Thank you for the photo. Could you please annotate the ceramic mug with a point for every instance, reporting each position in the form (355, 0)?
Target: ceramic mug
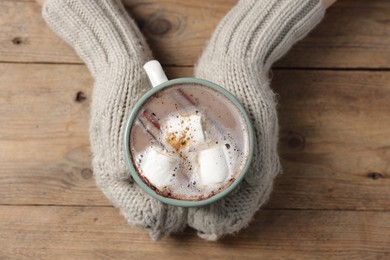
(160, 82)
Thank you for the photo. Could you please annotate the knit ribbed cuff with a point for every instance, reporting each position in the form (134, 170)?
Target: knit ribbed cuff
(262, 31)
(100, 31)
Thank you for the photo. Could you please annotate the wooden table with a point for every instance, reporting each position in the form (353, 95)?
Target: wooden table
(333, 200)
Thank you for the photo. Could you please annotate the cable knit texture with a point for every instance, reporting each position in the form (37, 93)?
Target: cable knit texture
(112, 47)
(238, 57)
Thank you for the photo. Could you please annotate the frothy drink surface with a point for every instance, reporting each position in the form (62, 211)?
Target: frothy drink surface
(189, 142)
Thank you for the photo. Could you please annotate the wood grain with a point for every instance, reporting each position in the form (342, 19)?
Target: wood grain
(354, 34)
(334, 137)
(335, 133)
(101, 233)
(44, 146)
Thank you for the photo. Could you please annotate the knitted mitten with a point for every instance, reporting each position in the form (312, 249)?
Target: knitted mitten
(247, 41)
(112, 47)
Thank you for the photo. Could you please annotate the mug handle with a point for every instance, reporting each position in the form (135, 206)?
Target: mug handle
(155, 73)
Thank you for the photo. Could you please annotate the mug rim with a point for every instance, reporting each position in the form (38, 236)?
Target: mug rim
(133, 115)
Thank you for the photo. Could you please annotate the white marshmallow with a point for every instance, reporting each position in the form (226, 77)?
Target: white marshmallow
(214, 166)
(159, 166)
(178, 124)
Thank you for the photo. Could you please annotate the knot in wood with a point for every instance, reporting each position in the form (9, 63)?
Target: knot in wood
(86, 173)
(296, 141)
(159, 26)
(80, 96)
(17, 40)
(375, 175)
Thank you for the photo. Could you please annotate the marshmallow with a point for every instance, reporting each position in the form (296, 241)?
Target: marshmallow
(159, 166)
(188, 128)
(214, 166)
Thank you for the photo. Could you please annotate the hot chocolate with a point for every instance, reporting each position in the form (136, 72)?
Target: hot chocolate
(189, 142)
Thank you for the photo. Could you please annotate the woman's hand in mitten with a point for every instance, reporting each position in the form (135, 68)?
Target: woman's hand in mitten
(238, 57)
(112, 47)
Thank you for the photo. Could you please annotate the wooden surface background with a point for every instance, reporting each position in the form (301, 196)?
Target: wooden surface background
(332, 202)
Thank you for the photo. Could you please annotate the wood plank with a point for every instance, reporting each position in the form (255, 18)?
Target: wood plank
(335, 137)
(44, 146)
(354, 34)
(25, 37)
(101, 233)
(335, 132)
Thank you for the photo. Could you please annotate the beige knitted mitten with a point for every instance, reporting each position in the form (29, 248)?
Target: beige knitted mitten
(247, 41)
(112, 47)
